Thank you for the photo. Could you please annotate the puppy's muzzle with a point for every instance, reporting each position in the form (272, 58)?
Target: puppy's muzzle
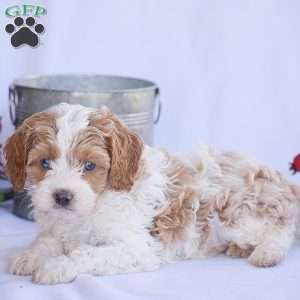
(63, 197)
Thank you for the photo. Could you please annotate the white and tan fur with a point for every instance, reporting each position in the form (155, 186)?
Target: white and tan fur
(140, 207)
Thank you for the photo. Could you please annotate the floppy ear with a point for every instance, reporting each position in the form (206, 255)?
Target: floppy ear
(124, 147)
(16, 156)
(20, 143)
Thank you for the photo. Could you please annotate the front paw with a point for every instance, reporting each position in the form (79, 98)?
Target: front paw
(23, 264)
(55, 270)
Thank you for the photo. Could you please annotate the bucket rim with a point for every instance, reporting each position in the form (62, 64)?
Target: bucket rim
(20, 82)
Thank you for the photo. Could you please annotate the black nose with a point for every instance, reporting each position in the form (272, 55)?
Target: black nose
(63, 197)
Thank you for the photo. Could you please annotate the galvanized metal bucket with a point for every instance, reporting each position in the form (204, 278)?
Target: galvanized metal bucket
(134, 100)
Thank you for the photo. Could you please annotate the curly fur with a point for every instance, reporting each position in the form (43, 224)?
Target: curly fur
(141, 207)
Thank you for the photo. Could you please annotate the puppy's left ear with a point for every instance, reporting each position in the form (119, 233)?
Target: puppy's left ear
(124, 147)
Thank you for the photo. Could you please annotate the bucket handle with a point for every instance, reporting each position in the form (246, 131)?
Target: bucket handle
(13, 102)
(157, 96)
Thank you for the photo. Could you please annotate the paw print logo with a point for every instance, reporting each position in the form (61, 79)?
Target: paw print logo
(24, 33)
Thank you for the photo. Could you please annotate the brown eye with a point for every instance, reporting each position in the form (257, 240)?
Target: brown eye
(89, 166)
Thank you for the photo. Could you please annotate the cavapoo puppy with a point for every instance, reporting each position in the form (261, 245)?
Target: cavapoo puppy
(108, 204)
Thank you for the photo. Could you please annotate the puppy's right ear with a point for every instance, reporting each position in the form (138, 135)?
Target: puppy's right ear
(16, 156)
(16, 150)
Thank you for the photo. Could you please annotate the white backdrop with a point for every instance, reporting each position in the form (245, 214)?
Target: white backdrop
(229, 71)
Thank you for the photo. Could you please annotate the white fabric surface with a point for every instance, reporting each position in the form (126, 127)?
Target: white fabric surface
(215, 278)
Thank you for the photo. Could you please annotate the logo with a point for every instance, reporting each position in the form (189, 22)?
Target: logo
(24, 29)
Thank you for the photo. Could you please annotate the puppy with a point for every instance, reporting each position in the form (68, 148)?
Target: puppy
(106, 203)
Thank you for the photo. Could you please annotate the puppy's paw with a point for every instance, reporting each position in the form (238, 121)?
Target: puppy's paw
(235, 251)
(22, 264)
(265, 256)
(55, 270)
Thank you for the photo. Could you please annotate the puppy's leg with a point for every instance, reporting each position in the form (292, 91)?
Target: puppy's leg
(105, 260)
(264, 240)
(30, 259)
(237, 251)
(115, 259)
(274, 246)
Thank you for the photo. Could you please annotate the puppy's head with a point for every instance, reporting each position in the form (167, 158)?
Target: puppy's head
(66, 157)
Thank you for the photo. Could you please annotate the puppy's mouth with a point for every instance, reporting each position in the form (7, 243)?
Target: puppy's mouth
(59, 207)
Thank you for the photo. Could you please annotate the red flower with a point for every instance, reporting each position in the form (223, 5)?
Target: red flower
(295, 165)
